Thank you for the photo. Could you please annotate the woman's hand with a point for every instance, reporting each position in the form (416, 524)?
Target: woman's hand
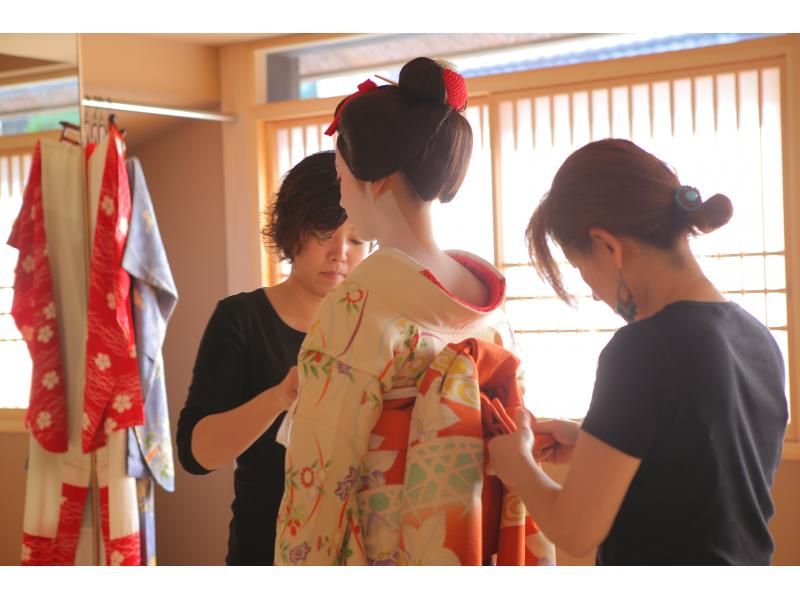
(510, 455)
(565, 433)
(221, 437)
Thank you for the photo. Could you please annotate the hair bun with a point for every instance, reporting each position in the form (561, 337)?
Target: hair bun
(423, 79)
(713, 213)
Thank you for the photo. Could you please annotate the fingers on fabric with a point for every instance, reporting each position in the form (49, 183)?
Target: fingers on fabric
(522, 418)
(546, 427)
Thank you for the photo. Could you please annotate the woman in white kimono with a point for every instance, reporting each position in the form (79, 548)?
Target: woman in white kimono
(398, 148)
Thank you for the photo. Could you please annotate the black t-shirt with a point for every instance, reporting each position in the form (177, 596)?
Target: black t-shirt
(246, 349)
(697, 393)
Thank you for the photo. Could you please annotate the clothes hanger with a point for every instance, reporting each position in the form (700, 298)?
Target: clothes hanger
(95, 129)
(112, 122)
(68, 126)
(101, 126)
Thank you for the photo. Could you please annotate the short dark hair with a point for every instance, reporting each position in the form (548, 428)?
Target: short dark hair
(615, 185)
(408, 128)
(307, 202)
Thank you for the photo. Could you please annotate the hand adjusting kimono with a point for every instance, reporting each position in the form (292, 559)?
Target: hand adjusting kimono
(377, 334)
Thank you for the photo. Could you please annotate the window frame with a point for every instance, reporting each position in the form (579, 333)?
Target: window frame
(782, 51)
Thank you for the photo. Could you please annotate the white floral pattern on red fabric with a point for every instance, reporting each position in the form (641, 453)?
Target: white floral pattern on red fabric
(44, 420)
(112, 369)
(36, 550)
(108, 206)
(102, 362)
(50, 379)
(45, 334)
(33, 310)
(50, 311)
(122, 403)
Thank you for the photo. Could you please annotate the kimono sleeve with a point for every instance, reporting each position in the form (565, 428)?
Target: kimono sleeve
(338, 405)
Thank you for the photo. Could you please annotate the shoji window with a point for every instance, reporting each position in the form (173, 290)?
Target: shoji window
(15, 363)
(292, 142)
(721, 132)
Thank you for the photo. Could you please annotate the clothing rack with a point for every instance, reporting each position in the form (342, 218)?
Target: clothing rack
(108, 104)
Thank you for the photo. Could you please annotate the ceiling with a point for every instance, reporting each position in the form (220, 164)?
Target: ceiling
(9, 62)
(387, 49)
(211, 39)
(49, 47)
(61, 49)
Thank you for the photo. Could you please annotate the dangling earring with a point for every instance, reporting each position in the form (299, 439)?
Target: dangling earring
(626, 306)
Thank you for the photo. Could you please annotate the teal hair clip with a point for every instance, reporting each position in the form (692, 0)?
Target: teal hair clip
(688, 198)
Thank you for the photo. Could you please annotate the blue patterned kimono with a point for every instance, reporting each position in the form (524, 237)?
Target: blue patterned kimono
(154, 299)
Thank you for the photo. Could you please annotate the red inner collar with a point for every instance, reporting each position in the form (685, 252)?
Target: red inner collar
(496, 286)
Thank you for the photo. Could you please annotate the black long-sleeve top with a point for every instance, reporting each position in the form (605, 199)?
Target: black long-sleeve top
(246, 348)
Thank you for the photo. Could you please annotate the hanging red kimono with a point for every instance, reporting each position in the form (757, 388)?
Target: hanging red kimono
(56, 526)
(34, 311)
(113, 396)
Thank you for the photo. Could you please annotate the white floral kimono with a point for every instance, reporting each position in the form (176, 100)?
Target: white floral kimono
(377, 333)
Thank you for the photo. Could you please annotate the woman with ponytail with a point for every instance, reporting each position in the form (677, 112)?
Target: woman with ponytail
(674, 461)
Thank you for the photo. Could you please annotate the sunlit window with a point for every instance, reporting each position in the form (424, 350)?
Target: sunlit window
(720, 131)
(15, 362)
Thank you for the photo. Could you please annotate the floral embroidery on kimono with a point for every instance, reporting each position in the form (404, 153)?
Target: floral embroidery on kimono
(154, 301)
(376, 335)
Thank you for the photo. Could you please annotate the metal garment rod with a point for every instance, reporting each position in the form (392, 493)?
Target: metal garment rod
(159, 110)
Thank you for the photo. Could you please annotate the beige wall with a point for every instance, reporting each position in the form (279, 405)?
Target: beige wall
(183, 168)
(13, 452)
(785, 526)
(143, 70)
(241, 155)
